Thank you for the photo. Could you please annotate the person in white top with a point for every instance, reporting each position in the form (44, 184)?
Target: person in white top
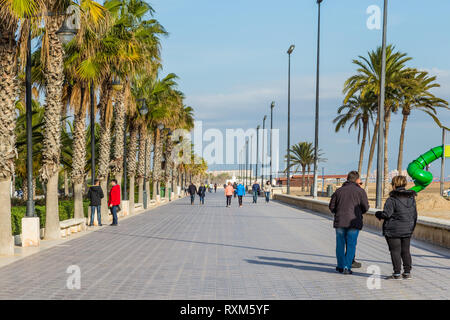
(267, 191)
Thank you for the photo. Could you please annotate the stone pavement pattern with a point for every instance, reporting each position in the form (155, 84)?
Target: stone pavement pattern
(259, 251)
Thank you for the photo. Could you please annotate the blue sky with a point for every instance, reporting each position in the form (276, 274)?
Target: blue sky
(232, 62)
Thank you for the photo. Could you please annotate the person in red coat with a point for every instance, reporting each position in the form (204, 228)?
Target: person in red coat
(114, 200)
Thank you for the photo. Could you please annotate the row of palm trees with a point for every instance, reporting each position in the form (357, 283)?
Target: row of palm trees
(407, 89)
(115, 61)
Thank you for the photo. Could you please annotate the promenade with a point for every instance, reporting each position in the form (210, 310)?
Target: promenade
(179, 251)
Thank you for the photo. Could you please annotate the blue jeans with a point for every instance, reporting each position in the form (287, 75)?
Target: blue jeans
(114, 214)
(202, 199)
(346, 239)
(192, 198)
(99, 214)
(255, 196)
(267, 196)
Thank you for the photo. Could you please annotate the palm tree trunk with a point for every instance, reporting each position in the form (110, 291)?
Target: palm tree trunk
(400, 146)
(371, 153)
(131, 164)
(54, 76)
(363, 145)
(66, 183)
(105, 144)
(8, 86)
(119, 127)
(141, 163)
(386, 163)
(79, 157)
(157, 157)
(303, 177)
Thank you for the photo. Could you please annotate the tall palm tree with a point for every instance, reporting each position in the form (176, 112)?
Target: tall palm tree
(368, 79)
(357, 114)
(11, 12)
(418, 97)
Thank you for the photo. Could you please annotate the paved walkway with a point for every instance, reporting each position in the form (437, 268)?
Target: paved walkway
(211, 252)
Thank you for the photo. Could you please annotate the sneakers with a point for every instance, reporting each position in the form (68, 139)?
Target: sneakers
(395, 277)
(356, 264)
(346, 271)
(340, 270)
(406, 276)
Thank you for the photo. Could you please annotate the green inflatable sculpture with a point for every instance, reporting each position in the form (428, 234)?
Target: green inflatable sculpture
(422, 178)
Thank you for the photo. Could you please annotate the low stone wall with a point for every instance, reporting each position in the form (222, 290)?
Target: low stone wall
(436, 231)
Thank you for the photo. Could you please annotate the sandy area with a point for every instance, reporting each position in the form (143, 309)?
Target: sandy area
(429, 202)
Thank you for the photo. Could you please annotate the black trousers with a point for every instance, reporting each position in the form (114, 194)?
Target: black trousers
(240, 200)
(399, 248)
(229, 200)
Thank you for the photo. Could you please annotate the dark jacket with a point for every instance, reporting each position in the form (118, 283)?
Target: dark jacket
(399, 213)
(95, 196)
(201, 191)
(348, 204)
(255, 187)
(192, 189)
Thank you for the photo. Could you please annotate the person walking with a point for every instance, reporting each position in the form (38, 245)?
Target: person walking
(202, 193)
(255, 190)
(267, 190)
(95, 196)
(400, 218)
(192, 189)
(229, 190)
(215, 187)
(235, 188)
(348, 204)
(114, 200)
(240, 191)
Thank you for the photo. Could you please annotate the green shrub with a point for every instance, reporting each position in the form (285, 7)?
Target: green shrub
(66, 211)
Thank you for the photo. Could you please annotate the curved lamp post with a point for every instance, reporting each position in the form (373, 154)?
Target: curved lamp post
(271, 138)
(263, 155)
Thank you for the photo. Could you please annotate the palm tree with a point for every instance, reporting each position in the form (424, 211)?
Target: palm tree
(359, 113)
(417, 96)
(368, 79)
(11, 13)
(302, 155)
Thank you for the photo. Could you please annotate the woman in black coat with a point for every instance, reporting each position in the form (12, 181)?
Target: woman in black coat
(400, 218)
(202, 193)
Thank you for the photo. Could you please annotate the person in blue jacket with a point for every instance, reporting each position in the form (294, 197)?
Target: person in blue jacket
(240, 191)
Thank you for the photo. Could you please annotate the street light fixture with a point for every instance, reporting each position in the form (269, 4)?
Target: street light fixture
(316, 131)
(257, 152)
(65, 35)
(263, 155)
(288, 182)
(271, 137)
(380, 150)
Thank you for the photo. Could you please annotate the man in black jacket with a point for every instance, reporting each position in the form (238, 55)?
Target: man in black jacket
(348, 204)
(95, 196)
(192, 191)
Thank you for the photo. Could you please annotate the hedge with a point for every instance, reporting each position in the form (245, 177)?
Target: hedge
(66, 211)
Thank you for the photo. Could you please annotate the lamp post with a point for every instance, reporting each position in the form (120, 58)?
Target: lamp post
(65, 35)
(250, 162)
(92, 134)
(263, 155)
(124, 193)
(380, 150)
(441, 188)
(316, 131)
(271, 138)
(257, 151)
(143, 111)
(288, 182)
(246, 163)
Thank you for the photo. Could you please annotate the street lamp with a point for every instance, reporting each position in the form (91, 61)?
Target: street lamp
(263, 155)
(271, 138)
(380, 150)
(65, 35)
(316, 131)
(257, 151)
(288, 183)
